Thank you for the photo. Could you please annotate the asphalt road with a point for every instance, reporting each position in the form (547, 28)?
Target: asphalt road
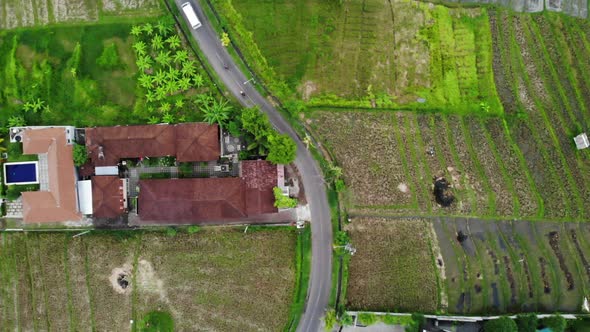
(235, 81)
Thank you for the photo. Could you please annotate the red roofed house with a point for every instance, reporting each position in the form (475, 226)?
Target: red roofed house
(59, 203)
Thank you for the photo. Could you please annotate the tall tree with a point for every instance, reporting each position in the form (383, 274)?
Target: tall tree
(281, 149)
(216, 112)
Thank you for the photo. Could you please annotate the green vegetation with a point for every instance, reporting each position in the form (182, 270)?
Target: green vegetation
(367, 318)
(264, 140)
(193, 229)
(167, 282)
(303, 268)
(527, 322)
(80, 154)
(109, 59)
(282, 201)
(555, 323)
(157, 321)
(502, 324)
(369, 54)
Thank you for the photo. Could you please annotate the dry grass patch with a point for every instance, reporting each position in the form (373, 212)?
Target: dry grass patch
(393, 267)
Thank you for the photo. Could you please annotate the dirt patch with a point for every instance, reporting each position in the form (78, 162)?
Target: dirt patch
(120, 279)
(510, 277)
(554, 242)
(403, 188)
(307, 89)
(544, 277)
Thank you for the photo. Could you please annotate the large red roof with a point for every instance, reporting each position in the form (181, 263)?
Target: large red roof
(188, 142)
(107, 196)
(210, 199)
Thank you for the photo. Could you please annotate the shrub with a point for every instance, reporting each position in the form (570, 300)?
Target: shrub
(109, 58)
(171, 231)
(367, 318)
(339, 185)
(346, 319)
(526, 322)
(502, 324)
(396, 320)
(80, 155)
(281, 149)
(342, 238)
(193, 229)
(283, 202)
(330, 319)
(555, 323)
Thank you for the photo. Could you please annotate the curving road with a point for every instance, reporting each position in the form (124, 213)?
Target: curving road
(321, 227)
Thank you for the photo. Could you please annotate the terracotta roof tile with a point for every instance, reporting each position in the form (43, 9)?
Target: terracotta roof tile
(107, 196)
(59, 204)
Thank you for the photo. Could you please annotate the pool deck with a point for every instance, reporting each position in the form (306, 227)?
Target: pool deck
(14, 209)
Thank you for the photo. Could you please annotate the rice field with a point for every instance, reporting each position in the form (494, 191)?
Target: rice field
(218, 279)
(373, 53)
(27, 13)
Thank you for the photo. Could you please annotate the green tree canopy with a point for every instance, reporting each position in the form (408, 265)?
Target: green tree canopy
(502, 324)
(527, 322)
(281, 201)
(281, 149)
(217, 112)
(80, 155)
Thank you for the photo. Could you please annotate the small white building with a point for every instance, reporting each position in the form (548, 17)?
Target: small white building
(582, 141)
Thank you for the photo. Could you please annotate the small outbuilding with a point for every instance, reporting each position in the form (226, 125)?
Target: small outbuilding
(582, 141)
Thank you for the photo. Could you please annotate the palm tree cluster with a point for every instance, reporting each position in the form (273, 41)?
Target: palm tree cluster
(165, 69)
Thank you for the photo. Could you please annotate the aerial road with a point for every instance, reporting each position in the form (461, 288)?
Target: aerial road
(240, 85)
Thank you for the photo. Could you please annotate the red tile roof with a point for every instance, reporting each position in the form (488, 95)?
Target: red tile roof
(210, 199)
(107, 196)
(188, 142)
(197, 142)
(191, 199)
(59, 204)
(259, 177)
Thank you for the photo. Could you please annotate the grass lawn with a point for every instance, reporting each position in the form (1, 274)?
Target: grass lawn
(218, 279)
(392, 269)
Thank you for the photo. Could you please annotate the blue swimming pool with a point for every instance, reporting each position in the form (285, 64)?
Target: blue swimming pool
(21, 173)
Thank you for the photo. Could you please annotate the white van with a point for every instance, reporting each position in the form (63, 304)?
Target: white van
(191, 15)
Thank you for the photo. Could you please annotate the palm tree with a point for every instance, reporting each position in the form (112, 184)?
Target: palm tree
(153, 120)
(163, 58)
(150, 96)
(38, 105)
(203, 99)
(180, 56)
(172, 74)
(168, 118)
(16, 121)
(161, 92)
(139, 47)
(184, 83)
(148, 28)
(172, 86)
(173, 41)
(143, 62)
(136, 30)
(159, 77)
(157, 42)
(145, 81)
(216, 112)
(165, 107)
(179, 103)
(199, 82)
(163, 28)
(188, 68)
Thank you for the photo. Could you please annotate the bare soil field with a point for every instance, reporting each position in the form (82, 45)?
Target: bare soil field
(217, 279)
(26, 13)
(393, 268)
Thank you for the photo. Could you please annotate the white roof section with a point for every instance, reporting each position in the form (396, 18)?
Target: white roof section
(106, 170)
(581, 141)
(85, 196)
